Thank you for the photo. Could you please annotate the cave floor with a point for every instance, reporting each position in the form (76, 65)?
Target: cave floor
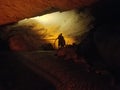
(42, 70)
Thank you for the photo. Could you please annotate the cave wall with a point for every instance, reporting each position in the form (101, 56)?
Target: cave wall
(107, 31)
(101, 47)
(13, 11)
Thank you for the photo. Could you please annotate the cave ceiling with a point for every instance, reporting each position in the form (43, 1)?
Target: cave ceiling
(14, 10)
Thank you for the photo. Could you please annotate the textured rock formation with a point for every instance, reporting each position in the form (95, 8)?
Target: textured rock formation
(101, 47)
(12, 11)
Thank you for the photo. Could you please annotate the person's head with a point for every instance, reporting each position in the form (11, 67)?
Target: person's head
(60, 34)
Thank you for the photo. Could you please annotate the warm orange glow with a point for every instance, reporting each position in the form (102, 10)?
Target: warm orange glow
(69, 23)
(54, 42)
(17, 44)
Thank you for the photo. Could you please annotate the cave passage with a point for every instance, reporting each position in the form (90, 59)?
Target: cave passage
(41, 31)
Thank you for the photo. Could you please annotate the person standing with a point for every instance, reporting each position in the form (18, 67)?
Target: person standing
(61, 41)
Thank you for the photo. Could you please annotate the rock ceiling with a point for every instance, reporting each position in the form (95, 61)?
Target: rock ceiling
(15, 10)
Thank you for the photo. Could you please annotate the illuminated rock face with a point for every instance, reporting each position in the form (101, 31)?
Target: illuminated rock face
(13, 11)
(17, 44)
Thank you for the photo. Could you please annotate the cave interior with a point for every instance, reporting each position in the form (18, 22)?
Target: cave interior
(97, 40)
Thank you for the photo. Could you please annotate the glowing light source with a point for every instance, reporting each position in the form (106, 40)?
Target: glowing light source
(70, 23)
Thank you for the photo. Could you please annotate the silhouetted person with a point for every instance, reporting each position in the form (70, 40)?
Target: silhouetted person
(61, 41)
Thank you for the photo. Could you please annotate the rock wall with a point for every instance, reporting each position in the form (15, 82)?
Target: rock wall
(13, 11)
(101, 47)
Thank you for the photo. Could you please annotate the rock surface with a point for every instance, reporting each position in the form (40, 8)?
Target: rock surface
(13, 11)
